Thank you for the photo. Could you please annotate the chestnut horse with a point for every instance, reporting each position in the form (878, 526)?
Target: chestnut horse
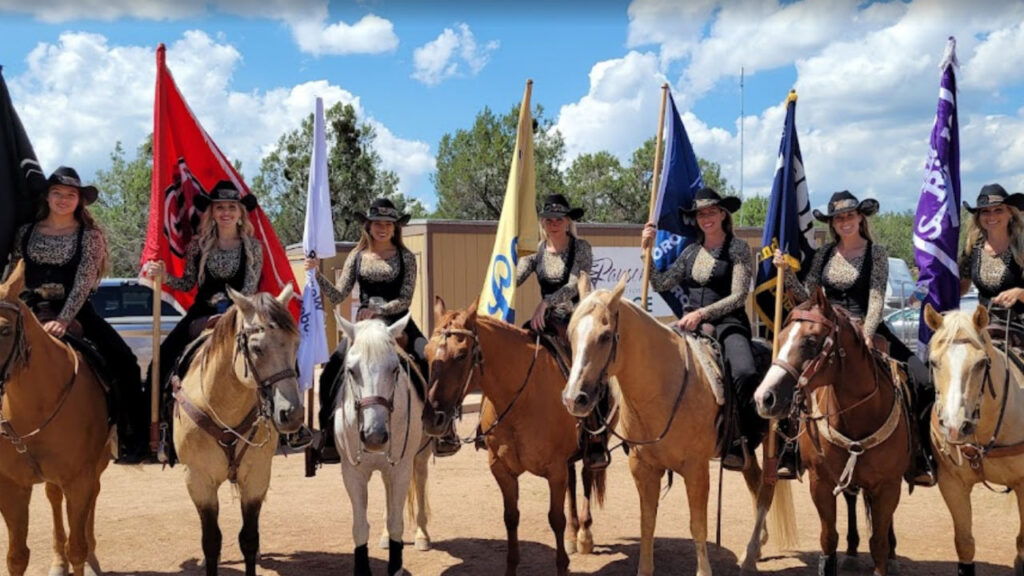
(855, 426)
(977, 423)
(53, 429)
(667, 411)
(524, 428)
(239, 392)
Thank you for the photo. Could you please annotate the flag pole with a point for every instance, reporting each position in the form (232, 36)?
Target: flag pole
(654, 192)
(154, 369)
(771, 447)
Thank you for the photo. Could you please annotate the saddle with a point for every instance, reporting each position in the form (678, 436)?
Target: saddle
(74, 337)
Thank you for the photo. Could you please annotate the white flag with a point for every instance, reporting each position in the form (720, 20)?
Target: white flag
(317, 242)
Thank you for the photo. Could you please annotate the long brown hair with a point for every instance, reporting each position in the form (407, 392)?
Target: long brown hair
(86, 220)
(208, 235)
(365, 241)
(727, 226)
(975, 233)
(864, 229)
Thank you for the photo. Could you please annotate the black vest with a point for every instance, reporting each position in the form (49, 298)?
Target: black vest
(387, 290)
(717, 286)
(548, 286)
(855, 298)
(1011, 277)
(212, 285)
(38, 273)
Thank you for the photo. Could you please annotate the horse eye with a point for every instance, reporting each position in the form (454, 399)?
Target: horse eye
(5, 331)
(460, 356)
(605, 338)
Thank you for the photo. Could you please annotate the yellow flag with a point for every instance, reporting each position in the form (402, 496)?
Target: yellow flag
(517, 229)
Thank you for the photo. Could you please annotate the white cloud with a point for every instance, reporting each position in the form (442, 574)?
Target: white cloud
(80, 96)
(308, 19)
(998, 60)
(439, 59)
(675, 26)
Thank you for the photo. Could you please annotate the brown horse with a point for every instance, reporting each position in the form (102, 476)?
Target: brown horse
(855, 428)
(53, 429)
(524, 427)
(668, 409)
(239, 392)
(977, 423)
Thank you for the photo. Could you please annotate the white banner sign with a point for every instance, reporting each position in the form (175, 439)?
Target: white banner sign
(611, 261)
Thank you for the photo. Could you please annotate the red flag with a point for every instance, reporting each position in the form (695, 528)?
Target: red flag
(186, 161)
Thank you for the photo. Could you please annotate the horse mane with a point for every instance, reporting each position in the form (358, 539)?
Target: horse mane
(495, 323)
(373, 341)
(266, 306)
(957, 324)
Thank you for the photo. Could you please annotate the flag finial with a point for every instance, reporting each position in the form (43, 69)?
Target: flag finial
(792, 96)
(949, 56)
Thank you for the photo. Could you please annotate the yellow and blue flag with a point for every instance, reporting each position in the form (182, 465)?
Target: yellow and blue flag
(517, 229)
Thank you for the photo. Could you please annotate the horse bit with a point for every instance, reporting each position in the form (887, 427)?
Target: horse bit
(389, 405)
(265, 385)
(477, 360)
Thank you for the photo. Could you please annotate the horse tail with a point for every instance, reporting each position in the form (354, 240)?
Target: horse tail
(419, 468)
(782, 517)
(598, 483)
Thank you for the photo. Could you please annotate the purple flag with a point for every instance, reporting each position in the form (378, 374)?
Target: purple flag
(937, 222)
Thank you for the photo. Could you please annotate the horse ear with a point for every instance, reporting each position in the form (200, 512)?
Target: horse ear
(15, 281)
(398, 327)
(439, 309)
(819, 299)
(471, 313)
(286, 295)
(242, 302)
(620, 287)
(583, 285)
(932, 318)
(980, 318)
(347, 327)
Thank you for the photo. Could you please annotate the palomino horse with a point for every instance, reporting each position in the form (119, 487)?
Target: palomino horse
(977, 423)
(523, 426)
(377, 428)
(855, 425)
(668, 409)
(53, 429)
(238, 393)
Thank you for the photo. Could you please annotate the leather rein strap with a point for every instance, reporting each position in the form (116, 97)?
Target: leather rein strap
(227, 438)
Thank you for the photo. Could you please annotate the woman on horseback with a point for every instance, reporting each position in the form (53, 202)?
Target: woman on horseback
(854, 271)
(223, 253)
(993, 255)
(715, 274)
(386, 273)
(65, 254)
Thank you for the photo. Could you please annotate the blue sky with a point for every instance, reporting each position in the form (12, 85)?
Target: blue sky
(81, 74)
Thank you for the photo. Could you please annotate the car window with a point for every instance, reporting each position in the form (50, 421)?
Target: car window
(127, 300)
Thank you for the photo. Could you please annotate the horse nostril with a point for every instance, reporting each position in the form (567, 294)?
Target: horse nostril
(967, 428)
(581, 399)
(440, 419)
(768, 400)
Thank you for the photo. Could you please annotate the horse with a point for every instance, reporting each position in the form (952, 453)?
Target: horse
(977, 424)
(238, 393)
(54, 430)
(658, 376)
(377, 427)
(522, 425)
(856, 429)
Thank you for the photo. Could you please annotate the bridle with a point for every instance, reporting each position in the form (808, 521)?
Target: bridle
(265, 386)
(388, 403)
(476, 361)
(20, 351)
(827, 355)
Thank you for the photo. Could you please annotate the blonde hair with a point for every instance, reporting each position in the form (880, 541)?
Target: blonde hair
(864, 229)
(570, 230)
(975, 233)
(208, 235)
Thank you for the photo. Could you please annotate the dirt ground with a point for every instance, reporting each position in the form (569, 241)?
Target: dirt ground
(147, 526)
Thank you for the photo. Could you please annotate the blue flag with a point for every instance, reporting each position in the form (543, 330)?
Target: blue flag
(937, 221)
(680, 181)
(788, 224)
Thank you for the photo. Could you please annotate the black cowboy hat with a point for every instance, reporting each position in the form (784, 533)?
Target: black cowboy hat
(704, 198)
(224, 191)
(383, 210)
(557, 206)
(994, 195)
(65, 176)
(844, 201)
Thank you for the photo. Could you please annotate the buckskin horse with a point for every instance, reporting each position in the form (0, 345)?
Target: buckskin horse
(977, 423)
(523, 426)
(854, 422)
(667, 411)
(53, 429)
(378, 428)
(237, 394)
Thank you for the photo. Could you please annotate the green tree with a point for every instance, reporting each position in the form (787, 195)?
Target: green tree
(754, 211)
(122, 208)
(473, 164)
(893, 230)
(353, 167)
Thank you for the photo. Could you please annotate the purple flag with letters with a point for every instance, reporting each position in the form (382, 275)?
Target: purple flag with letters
(937, 222)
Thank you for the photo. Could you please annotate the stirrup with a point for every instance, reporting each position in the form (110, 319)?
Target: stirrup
(446, 446)
(597, 460)
(737, 462)
(300, 439)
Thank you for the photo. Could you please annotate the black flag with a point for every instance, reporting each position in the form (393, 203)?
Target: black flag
(21, 179)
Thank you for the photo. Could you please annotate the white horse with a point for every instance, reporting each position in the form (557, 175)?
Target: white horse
(378, 427)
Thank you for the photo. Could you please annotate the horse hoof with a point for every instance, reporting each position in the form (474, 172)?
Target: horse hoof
(585, 545)
(383, 544)
(570, 546)
(58, 570)
(748, 567)
(422, 544)
(1018, 566)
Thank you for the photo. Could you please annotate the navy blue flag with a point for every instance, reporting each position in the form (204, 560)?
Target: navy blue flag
(21, 179)
(788, 224)
(680, 181)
